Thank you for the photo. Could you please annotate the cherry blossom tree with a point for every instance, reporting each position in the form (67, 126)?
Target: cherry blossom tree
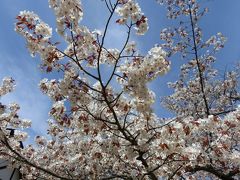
(100, 131)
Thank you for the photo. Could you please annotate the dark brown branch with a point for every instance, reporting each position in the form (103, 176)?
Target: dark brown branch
(144, 162)
(124, 46)
(102, 43)
(175, 172)
(78, 64)
(201, 80)
(108, 6)
(214, 171)
(24, 160)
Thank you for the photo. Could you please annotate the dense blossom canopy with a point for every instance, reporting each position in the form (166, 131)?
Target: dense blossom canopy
(100, 131)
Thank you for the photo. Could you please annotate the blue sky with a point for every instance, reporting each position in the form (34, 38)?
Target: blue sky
(16, 62)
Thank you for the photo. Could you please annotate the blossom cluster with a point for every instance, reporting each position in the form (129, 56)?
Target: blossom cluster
(38, 34)
(87, 149)
(139, 72)
(84, 46)
(9, 118)
(68, 14)
(199, 89)
(7, 86)
(130, 10)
